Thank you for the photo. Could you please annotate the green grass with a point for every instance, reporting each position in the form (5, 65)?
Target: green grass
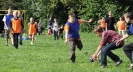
(48, 55)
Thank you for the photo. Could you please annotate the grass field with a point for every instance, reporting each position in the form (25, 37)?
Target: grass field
(48, 55)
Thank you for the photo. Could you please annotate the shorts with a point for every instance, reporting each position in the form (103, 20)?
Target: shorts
(8, 33)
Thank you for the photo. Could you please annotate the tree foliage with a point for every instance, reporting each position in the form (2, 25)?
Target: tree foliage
(84, 9)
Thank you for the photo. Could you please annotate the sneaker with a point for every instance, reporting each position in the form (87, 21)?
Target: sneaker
(118, 63)
(103, 66)
(31, 43)
(131, 67)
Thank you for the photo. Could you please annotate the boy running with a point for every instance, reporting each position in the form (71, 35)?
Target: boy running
(72, 36)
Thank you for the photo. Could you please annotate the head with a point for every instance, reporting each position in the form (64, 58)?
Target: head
(98, 30)
(128, 17)
(55, 19)
(120, 18)
(50, 18)
(110, 14)
(31, 19)
(15, 13)
(40, 20)
(71, 18)
(61, 27)
(9, 11)
(19, 13)
(103, 18)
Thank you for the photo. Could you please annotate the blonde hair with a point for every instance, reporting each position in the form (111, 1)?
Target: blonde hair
(15, 12)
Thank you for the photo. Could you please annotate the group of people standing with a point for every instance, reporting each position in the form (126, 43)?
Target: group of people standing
(53, 27)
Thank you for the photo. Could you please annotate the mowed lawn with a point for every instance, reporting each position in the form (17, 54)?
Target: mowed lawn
(48, 55)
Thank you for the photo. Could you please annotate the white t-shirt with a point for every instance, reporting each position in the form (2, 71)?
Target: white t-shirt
(55, 26)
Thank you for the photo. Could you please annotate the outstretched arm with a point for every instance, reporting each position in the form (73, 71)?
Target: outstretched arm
(87, 21)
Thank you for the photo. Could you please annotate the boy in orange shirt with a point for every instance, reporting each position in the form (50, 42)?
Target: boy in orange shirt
(16, 28)
(32, 29)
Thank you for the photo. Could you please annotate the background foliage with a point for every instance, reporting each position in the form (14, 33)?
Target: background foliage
(84, 9)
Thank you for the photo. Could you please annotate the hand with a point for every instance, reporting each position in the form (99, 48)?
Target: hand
(7, 28)
(118, 42)
(66, 41)
(90, 20)
(95, 57)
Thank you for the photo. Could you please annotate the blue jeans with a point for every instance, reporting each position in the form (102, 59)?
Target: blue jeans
(20, 38)
(106, 51)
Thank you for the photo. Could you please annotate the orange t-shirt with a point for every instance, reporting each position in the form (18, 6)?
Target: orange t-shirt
(103, 23)
(32, 28)
(16, 25)
(121, 25)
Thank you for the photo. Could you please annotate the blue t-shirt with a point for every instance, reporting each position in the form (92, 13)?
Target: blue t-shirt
(7, 19)
(73, 30)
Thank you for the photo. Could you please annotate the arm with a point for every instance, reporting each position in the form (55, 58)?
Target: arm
(106, 26)
(66, 36)
(86, 20)
(4, 20)
(97, 53)
(10, 26)
(124, 37)
(66, 33)
(22, 25)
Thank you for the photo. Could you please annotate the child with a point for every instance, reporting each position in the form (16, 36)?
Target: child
(102, 22)
(72, 36)
(50, 31)
(40, 27)
(21, 34)
(6, 19)
(32, 29)
(16, 28)
(107, 43)
(121, 26)
(55, 29)
(60, 33)
(128, 49)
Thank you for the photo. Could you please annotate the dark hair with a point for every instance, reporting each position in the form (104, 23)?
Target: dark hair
(98, 29)
(129, 15)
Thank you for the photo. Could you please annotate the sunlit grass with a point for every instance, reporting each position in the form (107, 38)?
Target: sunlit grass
(48, 55)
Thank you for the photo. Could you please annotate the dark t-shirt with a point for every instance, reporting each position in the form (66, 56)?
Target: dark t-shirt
(61, 30)
(110, 23)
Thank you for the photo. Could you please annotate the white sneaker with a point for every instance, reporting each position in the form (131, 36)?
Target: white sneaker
(31, 43)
